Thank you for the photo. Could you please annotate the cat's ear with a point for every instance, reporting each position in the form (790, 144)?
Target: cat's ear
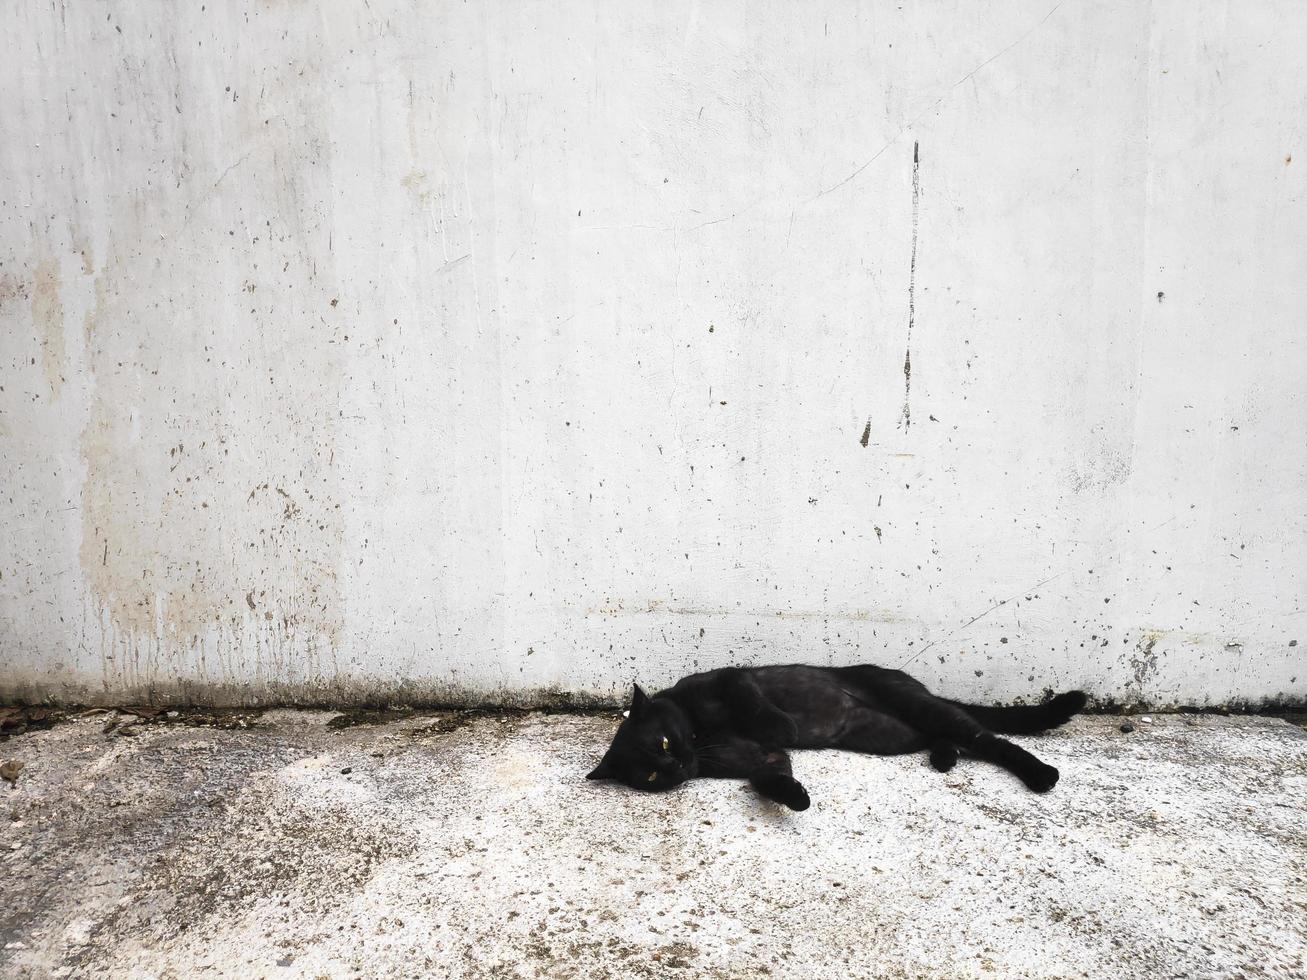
(638, 700)
(602, 771)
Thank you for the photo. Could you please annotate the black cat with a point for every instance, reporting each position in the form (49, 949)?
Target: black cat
(737, 722)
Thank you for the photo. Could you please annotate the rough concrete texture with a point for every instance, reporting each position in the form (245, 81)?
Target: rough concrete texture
(446, 846)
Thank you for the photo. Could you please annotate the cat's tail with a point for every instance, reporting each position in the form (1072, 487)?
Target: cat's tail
(1027, 719)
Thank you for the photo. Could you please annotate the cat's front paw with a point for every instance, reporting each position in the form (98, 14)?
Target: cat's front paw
(1040, 778)
(783, 789)
(944, 756)
(796, 797)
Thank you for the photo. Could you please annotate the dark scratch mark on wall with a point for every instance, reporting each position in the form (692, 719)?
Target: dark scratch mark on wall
(906, 418)
(866, 434)
(982, 615)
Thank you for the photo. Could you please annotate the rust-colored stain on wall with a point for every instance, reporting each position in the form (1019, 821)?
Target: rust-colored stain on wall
(211, 519)
(48, 318)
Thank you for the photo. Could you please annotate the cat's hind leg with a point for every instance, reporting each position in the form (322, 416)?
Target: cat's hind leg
(937, 719)
(878, 733)
(943, 719)
(1038, 776)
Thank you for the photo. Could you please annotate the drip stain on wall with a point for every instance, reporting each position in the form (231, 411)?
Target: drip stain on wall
(905, 418)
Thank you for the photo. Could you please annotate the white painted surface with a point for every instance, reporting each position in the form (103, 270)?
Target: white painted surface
(409, 348)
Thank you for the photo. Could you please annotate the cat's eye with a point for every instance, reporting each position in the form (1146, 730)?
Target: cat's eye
(664, 743)
(652, 777)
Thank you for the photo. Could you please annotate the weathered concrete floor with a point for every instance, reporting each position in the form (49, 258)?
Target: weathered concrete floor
(407, 849)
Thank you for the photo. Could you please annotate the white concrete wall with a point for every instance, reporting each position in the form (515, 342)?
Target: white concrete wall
(410, 349)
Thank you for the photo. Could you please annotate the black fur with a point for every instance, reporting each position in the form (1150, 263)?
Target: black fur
(737, 722)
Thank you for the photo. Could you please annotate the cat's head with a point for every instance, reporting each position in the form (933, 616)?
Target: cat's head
(653, 749)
